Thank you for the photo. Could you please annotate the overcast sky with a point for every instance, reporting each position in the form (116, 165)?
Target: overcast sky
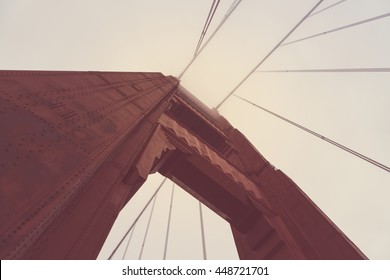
(160, 36)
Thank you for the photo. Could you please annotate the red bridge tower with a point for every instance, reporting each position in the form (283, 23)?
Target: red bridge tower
(76, 146)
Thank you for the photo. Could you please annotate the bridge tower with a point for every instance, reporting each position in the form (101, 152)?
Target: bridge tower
(76, 146)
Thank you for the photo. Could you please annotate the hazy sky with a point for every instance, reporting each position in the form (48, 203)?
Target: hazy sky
(160, 36)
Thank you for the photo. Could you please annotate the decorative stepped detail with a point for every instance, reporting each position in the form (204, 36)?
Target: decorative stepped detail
(203, 150)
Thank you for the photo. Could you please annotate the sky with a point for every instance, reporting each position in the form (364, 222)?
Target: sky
(161, 36)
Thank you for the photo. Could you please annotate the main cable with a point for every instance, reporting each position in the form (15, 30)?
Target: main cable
(359, 155)
(210, 16)
(227, 15)
(136, 220)
(337, 29)
(269, 54)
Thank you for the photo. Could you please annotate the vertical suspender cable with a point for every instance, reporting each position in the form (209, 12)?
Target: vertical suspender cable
(136, 220)
(268, 55)
(337, 29)
(326, 8)
(128, 242)
(147, 228)
(202, 231)
(169, 223)
(336, 70)
(359, 155)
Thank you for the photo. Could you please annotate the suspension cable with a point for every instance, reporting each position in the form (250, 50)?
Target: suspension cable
(337, 29)
(136, 220)
(326, 8)
(346, 70)
(128, 242)
(227, 15)
(169, 223)
(202, 231)
(210, 16)
(269, 54)
(147, 227)
(232, 6)
(378, 164)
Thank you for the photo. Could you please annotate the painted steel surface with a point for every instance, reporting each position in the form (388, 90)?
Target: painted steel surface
(76, 146)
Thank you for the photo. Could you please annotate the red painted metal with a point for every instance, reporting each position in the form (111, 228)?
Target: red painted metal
(76, 146)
